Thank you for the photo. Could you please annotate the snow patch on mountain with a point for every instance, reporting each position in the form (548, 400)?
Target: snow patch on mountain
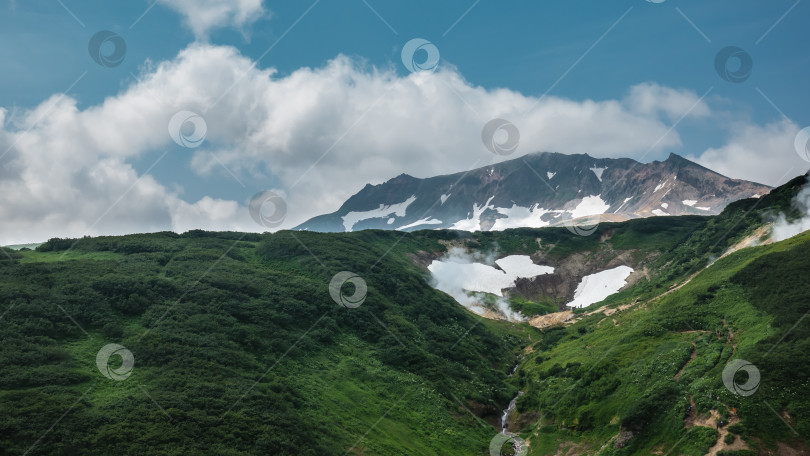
(596, 287)
(622, 205)
(598, 172)
(590, 205)
(424, 221)
(465, 278)
(519, 216)
(352, 218)
(689, 203)
(474, 222)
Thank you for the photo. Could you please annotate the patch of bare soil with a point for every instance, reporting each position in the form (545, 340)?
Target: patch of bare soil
(571, 449)
(711, 421)
(760, 236)
(552, 319)
(782, 449)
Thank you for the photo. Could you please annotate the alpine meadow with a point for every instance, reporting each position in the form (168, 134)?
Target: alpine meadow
(387, 228)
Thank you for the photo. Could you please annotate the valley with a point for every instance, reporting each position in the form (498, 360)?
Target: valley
(239, 349)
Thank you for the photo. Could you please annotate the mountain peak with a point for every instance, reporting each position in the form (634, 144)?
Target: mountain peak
(536, 190)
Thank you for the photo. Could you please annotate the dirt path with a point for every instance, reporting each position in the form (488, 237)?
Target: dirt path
(710, 421)
(689, 421)
(721, 444)
(691, 357)
(730, 338)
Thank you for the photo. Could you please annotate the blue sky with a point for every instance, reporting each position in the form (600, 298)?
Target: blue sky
(569, 51)
(525, 46)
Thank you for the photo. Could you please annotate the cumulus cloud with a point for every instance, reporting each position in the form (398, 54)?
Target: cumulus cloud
(202, 16)
(653, 99)
(759, 153)
(319, 134)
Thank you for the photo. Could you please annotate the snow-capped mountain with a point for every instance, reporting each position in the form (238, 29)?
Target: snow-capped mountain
(537, 190)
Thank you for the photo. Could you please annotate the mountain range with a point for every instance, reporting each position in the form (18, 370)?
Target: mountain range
(538, 190)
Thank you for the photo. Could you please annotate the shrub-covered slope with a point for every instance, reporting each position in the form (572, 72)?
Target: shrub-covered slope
(239, 348)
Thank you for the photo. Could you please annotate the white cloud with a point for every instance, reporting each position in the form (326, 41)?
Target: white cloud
(760, 153)
(652, 99)
(202, 16)
(322, 133)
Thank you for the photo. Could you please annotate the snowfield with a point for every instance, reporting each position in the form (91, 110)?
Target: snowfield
(590, 205)
(474, 222)
(352, 218)
(598, 172)
(463, 278)
(596, 287)
(519, 216)
(424, 221)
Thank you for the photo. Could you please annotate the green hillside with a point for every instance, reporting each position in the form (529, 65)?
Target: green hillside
(239, 348)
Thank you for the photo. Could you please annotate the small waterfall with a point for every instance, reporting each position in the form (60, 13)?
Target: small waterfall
(509, 410)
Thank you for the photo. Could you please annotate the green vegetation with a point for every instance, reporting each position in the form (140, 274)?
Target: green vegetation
(239, 348)
(237, 339)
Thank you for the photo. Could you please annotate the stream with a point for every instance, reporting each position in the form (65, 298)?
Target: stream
(509, 409)
(517, 443)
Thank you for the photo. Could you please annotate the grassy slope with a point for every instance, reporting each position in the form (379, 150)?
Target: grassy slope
(342, 380)
(389, 377)
(598, 376)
